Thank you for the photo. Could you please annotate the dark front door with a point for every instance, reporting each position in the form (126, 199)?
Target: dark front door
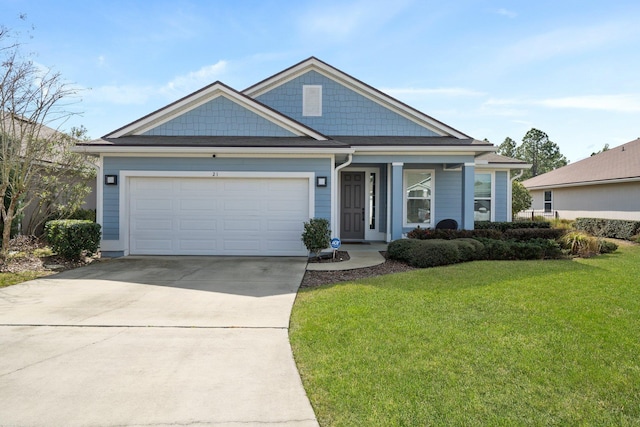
(352, 206)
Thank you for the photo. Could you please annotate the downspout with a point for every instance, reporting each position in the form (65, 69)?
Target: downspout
(510, 200)
(334, 184)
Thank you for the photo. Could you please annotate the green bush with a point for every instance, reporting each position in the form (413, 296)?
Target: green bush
(606, 247)
(85, 214)
(400, 249)
(469, 249)
(524, 234)
(71, 238)
(425, 234)
(513, 250)
(316, 235)
(614, 228)
(503, 226)
(432, 253)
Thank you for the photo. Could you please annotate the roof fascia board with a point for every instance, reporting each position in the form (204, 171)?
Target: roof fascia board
(116, 149)
(208, 94)
(503, 166)
(359, 87)
(421, 150)
(584, 183)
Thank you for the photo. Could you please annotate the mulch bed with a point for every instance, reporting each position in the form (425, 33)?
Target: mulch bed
(21, 258)
(318, 278)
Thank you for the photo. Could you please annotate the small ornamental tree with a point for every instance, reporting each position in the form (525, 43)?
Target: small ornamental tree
(316, 235)
(520, 198)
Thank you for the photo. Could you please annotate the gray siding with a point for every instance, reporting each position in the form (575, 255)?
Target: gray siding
(611, 201)
(344, 112)
(219, 117)
(113, 165)
(448, 201)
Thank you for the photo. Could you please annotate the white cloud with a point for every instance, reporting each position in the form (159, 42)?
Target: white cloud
(196, 79)
(342, 20)
(507, 13)
(447, 91)
(621, 103)
(625, 103)
(179, 86)
(570, 40)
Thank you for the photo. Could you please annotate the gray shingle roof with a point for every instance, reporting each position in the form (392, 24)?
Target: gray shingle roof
(360, 141)
(494, 158)
(622, 162)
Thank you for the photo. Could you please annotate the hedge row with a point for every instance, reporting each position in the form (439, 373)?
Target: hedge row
(504, 226)
(435, 252)
(614, 228)
(520, 234)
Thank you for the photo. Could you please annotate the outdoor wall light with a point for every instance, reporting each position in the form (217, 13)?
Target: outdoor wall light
(111, 180)
(321, 181)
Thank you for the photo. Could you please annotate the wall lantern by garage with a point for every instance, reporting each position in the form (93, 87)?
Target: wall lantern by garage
(321, 181)
(111, 180)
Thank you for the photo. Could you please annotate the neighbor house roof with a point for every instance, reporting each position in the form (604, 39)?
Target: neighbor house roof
(617, 164)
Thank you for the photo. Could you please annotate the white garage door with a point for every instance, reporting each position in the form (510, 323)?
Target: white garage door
(217, 216)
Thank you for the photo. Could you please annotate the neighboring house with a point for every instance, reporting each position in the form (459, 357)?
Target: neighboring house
(38, 211)
(222, 172)
(606, 185)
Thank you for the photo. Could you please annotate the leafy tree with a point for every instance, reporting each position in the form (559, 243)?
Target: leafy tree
(35, 157)
(520, 198)
(538, 150)
(605, 148)
(316, 235)
(508, 148)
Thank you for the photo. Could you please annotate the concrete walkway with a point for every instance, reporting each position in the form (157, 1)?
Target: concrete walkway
(154, 341)
(361, 256)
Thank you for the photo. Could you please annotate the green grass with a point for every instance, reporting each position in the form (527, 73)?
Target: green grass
(483, 343)
(8, 279)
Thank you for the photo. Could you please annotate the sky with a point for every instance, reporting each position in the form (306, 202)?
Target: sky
(488, 69)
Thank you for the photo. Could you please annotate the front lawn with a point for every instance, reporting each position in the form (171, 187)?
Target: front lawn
(481, 343)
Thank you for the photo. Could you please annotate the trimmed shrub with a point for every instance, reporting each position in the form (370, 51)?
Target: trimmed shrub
(503, 226)
(400, 250)
(316, 235)
(71, 238)
(524, 234)
(469, 249)
(425, 234)
(432, 253)
(86, 214)
(513, 250)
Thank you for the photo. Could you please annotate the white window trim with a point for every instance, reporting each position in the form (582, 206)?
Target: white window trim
(431, 223)
(309, 110)
(493, 192)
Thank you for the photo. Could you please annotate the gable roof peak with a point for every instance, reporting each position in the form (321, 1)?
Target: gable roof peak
(358, 86)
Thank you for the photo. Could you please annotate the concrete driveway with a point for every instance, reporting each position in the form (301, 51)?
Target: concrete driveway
(153, 341)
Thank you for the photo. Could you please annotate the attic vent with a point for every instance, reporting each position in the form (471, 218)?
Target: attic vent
(312, 100)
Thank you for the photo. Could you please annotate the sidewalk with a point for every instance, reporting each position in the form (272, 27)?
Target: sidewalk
(362, 255)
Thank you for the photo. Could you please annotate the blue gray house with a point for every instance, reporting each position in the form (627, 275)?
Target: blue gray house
(223, 172)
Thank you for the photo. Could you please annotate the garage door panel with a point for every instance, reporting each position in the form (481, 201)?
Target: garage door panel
(202, 225)
(214, 216)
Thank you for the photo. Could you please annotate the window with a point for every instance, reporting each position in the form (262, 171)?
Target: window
(548, 201)
(482, 197)
(418, 186)
(372, 201)
(312, 100)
